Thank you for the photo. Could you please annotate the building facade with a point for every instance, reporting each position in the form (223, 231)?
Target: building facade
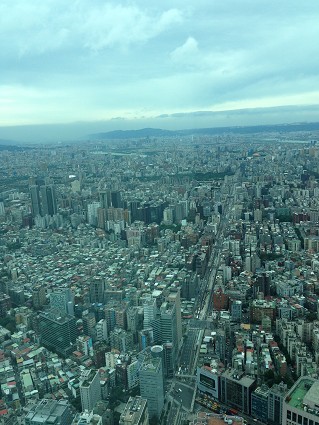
(152, 385)
(90, 389)
(57, 333)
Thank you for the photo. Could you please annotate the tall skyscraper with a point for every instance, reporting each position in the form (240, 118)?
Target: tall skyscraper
(174, 297)
(105, 198)
(116, 199)
(35, 200)
(152, 385)
(101, 218)
(90, 389)
(48, 197)
(169, 332)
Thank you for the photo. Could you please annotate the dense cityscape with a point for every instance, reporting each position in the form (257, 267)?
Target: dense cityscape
(161, 280)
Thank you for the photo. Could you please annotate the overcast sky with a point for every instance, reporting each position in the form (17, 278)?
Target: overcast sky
(132, 61)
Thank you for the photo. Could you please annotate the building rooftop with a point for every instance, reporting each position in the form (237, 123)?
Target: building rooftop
(133, 410)
(304, 395)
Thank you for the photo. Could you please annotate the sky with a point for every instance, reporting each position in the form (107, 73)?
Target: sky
(94, 64)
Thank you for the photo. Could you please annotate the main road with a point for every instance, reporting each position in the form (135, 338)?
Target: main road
(215, 259)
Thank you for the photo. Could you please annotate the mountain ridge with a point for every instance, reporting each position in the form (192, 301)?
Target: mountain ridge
(157, 132)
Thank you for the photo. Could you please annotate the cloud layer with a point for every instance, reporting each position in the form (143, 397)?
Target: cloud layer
(87, 60)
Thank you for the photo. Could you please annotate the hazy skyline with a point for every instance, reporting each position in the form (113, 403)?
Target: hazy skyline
(133, 64)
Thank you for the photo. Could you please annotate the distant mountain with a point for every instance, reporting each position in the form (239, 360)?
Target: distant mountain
(135, 134)
(156, 132)
(283, 128)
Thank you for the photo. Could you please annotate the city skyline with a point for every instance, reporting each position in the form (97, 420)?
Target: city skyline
(101, 66)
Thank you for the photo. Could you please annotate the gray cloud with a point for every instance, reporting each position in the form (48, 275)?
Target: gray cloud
(89, 60)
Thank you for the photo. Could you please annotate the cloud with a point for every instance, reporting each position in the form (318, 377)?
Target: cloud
(49, 25)
(113, 25)
(187, 52)
(75, 60)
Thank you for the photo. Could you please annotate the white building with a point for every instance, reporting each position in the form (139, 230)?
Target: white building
(101, 330)
(92, 213)
(90, 389)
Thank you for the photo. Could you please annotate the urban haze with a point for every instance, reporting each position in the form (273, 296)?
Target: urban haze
(159, 213)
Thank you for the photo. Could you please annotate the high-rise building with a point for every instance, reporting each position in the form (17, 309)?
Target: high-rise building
(169, 332)
(168, 356)
(236, 310)
(48, 197)
(101, 218)
(145, 338)
(89, 323)
(116, 199)
(152, 385)
(121, 340)
(110, 316)
(49, 412)
(105, 199)
(190, 286)
(259, 403)
(35, 200)
(132, 318)
(101, 330)
(90, 389)
(2, 209)
(276, 397)
(132, 371)
(57, 333)
(62, 300)
(174, 297)
(135, 412)
(97, 289)
(149, 309)
(92, 213)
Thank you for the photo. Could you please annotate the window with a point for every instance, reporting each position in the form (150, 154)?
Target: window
(300, 419)
(305, 421)
(294, 417)
(288, 414)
